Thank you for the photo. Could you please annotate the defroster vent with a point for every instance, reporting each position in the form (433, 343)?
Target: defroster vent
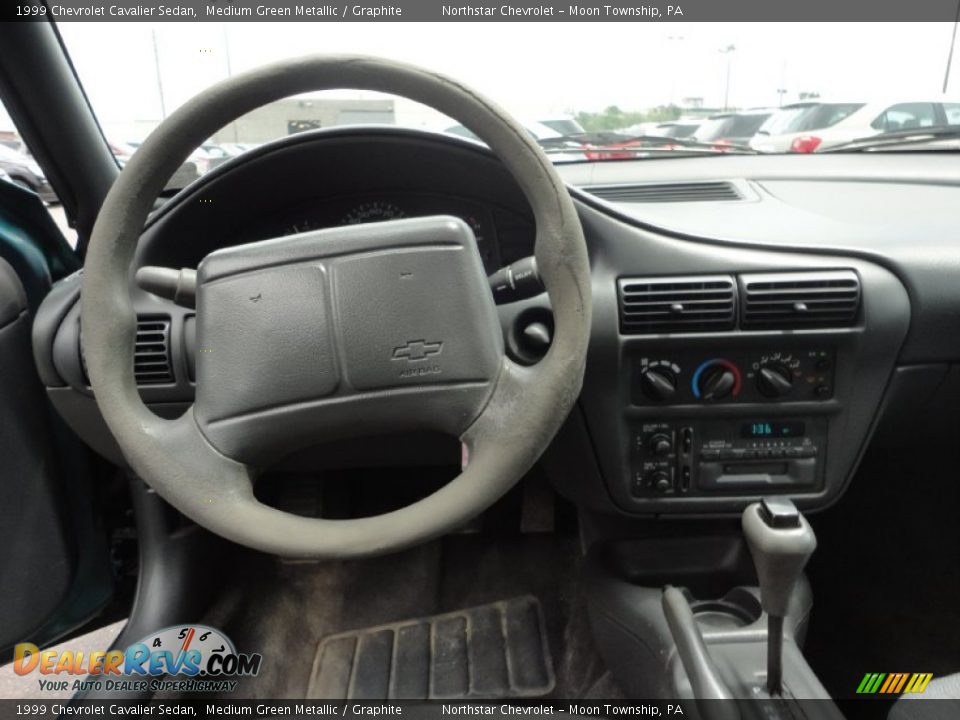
(710, 191)
(677, 304)
(828, 298)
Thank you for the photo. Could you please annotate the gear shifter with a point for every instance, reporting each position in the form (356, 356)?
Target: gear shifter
(781, 541)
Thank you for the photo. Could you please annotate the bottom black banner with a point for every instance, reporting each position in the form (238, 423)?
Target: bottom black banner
(705, 710)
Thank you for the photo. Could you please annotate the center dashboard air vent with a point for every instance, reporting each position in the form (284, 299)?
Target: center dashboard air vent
(677, 304)
(711, 191)
(828, 298)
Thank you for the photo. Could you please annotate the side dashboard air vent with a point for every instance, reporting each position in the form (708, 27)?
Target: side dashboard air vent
(802, 299)
(715, 191)
(677, 304)
(151, 353)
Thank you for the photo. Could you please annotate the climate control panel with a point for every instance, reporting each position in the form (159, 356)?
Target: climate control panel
(778, 375)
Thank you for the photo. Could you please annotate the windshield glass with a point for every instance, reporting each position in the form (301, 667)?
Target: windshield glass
(723, 87)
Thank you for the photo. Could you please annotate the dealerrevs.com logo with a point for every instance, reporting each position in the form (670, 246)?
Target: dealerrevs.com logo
(191, 658)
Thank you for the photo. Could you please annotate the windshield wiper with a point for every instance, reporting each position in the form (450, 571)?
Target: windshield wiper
(599, 143)
(910, 136)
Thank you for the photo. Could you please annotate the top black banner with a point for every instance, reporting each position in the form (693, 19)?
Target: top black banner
(481, 11)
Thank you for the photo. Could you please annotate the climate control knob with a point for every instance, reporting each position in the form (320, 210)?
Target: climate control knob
(658, 383)
(715, 380)
(774, 381)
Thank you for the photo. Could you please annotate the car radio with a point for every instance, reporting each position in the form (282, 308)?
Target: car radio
(698, 457)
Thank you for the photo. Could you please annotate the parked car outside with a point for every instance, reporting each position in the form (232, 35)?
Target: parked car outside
(881, 118)
(732, 128)
(565, 125)
(237, 148)
(675, 129)
(782, 128)
(25, 172)
(202, 159)
(559, 146)
(813, 127)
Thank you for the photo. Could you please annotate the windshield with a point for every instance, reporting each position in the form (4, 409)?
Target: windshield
(750, 87)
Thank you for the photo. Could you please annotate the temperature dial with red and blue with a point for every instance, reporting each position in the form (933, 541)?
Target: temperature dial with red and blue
(716, 379)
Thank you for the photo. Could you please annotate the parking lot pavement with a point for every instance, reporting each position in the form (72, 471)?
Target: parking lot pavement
(26, 687)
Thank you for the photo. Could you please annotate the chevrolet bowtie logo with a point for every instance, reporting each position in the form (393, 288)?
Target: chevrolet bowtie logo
(417, 350)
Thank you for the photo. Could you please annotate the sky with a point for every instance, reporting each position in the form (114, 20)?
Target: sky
(534, 70)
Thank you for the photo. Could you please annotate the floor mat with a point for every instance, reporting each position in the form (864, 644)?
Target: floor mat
(495, 650)
(283, 610)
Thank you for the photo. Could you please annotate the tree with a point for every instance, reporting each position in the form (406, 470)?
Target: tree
(613, 118)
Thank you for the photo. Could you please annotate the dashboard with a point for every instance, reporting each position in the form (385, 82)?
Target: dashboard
(743, 342)
(340, 177)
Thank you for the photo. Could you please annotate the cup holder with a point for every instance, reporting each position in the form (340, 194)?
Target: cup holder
(738, 608)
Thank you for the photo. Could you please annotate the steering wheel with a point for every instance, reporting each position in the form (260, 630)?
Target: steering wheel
(341, 332)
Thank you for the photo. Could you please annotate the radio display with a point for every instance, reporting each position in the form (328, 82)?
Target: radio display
(772, 429)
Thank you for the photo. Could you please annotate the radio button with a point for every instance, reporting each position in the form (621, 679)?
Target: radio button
(660, 481)
(660, 444)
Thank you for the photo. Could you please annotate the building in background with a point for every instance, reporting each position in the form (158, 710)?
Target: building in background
(293, 115)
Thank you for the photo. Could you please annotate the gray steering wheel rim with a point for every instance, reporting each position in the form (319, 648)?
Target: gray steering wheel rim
(525, 409)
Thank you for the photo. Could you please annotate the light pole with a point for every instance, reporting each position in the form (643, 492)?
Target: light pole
(728, 51)
(226, 55)
(953, 41)
(673, 40)
(782, 90)
(156, 65)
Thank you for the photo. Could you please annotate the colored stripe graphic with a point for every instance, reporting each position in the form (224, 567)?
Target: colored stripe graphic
(893, 683)
(892, 679)
(899, 685)
(918, 683)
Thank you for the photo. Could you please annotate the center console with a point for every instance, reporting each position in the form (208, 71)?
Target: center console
(702, 452)
(693, 618)
(718, 374)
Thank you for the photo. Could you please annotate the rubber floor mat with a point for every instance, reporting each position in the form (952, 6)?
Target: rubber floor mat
(492, 651)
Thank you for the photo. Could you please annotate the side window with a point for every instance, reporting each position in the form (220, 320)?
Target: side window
(952, 111)
(18, 166)
(906, 116)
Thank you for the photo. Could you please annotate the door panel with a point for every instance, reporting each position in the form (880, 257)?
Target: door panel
(37, 562)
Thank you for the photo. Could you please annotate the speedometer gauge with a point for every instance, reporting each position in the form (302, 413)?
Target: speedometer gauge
(373, 211)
